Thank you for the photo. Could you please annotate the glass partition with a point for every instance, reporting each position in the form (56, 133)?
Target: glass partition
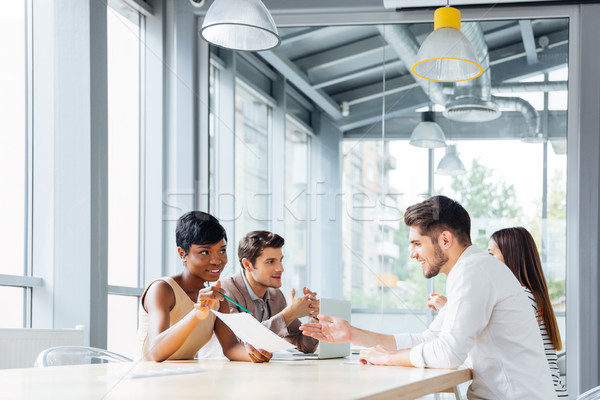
(508, 128)
(252, 191)
(296, 213)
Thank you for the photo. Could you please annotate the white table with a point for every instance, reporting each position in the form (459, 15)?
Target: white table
(307, 380)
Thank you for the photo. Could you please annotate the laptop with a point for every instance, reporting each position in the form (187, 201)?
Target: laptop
(332, 308)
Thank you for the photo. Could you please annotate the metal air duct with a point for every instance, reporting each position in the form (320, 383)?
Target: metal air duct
(532, 117)
(520, 87)
(404, 43)
(472, 99)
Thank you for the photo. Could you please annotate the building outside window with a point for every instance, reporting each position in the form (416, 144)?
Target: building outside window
(377, 271)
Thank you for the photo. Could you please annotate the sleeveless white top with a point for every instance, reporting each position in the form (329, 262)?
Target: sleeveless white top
(183, 305)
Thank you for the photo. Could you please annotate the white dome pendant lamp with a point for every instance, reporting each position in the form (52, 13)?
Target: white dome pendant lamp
(446, 55)
(450, 164)
(427, 133)
(240, 25)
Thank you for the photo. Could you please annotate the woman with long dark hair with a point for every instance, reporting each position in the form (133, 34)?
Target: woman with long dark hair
(516, 248)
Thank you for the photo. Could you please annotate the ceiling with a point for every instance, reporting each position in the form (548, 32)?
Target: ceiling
(365, 67)
(336, 64)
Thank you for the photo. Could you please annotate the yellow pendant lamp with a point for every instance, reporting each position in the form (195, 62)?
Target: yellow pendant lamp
(446, 55)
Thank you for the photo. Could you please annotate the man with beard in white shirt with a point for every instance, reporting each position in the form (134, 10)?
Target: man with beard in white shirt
(487, 318)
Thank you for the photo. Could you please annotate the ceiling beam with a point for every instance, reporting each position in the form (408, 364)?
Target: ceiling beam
(375, 90)
(396, 65)
(341, 54)
(298, 78)
(299, 35)
(366, 115)
(519, 67)
(508, 126)
(528, 41)
(517, 50)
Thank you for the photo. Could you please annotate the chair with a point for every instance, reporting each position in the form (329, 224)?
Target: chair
(592, 394)
(75, 355)
(455, 390)
(20, 346)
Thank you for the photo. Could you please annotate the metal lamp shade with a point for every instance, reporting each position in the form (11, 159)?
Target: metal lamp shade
(450, 164)
(446, 55)
(240, 25)
(427, 133)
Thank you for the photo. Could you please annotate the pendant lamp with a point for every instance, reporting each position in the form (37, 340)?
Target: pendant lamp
(240, 25)
(450, 164)
(427, 133)
(446, 55)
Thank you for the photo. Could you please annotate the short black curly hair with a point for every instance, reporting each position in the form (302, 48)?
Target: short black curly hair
(198, 227)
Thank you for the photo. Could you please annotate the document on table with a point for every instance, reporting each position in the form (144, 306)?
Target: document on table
(249, 330)
(151, 373)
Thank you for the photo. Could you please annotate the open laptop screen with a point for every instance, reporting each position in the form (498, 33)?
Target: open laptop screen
(340, 309)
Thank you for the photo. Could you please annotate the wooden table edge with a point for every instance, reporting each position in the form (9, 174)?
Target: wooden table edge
(427, 386)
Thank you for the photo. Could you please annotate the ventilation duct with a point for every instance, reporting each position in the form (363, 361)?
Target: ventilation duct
(472, 99)
(532, 117)
(469, 108)
(401, 39)
(520, 87)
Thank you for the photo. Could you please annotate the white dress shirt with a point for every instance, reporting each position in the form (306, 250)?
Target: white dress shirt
(487, 318)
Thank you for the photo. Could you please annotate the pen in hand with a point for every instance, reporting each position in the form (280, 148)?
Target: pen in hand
(233, 301)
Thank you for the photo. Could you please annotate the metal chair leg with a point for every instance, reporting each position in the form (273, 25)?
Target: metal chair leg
(456, 393)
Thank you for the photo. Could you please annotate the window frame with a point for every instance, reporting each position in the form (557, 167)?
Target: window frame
(577, 209)
(28, 281)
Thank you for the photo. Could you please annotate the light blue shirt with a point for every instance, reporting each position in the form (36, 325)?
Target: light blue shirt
(261, 306)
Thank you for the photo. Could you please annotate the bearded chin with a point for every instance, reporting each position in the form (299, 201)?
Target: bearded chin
(433, 271)
(437, 263)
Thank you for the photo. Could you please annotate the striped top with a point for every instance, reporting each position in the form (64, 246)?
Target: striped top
(559, 387)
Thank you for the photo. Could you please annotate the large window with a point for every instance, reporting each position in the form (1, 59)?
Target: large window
(270, 134)
(124, 206)
(515, 165)
(13, 163)
(377, 271)
(212, 130)
(359, 77)
(296, 206)
(252, 192)
(500, 192)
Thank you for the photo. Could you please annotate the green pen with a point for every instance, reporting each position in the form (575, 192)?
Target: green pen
(233, 301)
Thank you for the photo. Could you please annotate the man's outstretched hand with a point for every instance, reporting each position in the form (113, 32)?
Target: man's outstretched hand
(335, 330)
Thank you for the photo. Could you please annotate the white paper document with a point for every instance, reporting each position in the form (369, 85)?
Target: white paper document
(151, 373)
(249, 330)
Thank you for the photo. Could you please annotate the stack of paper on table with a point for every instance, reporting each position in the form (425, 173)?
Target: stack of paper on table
(249, 330)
